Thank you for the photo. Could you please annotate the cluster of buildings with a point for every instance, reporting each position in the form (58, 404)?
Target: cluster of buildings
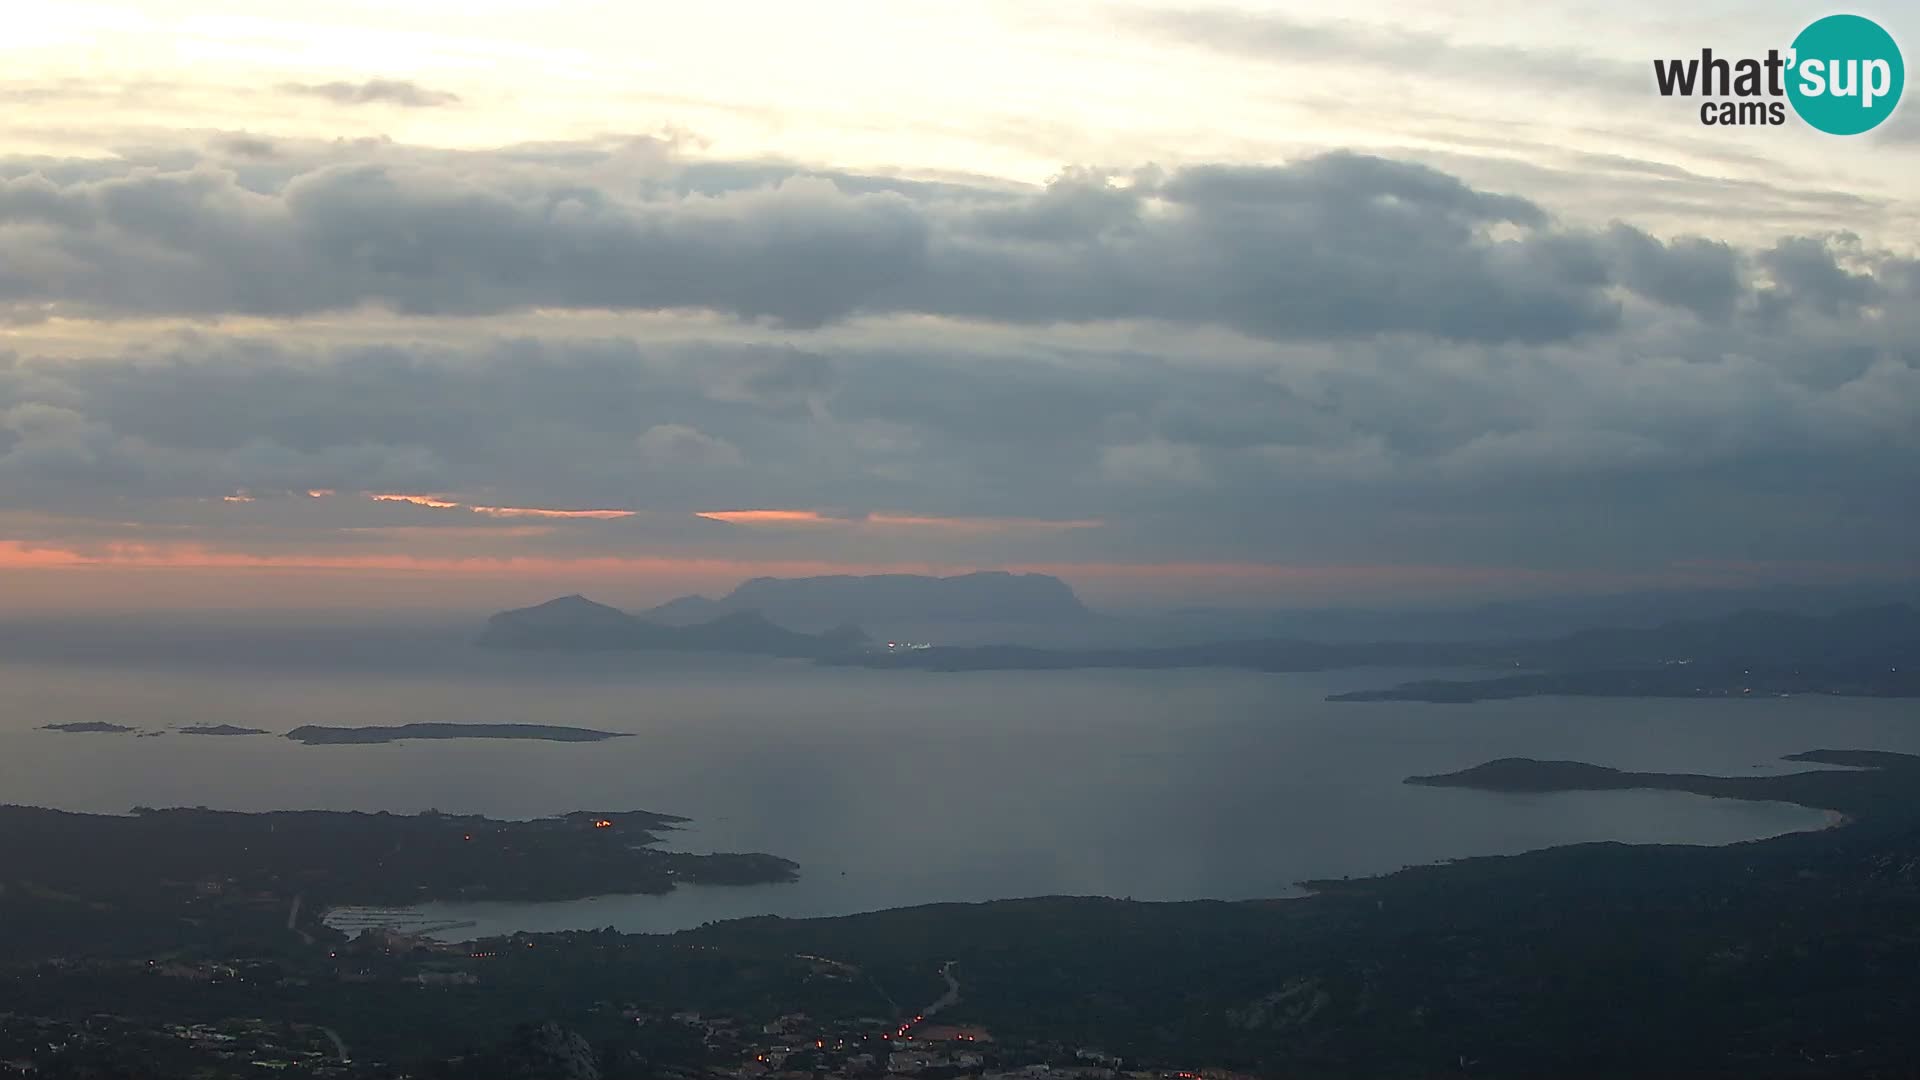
(793, 1046)
(797, 1048)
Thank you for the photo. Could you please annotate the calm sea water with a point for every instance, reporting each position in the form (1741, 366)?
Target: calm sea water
(894, 788)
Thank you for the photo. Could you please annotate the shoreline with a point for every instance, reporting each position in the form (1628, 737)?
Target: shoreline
(1304, 889)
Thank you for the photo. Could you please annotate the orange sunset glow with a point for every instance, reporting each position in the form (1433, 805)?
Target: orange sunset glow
(446, 502)
(769, 517)
(78, 572)
(886, 520)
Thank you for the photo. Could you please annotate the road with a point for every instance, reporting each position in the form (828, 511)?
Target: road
(951, 997)
(904, 1031)
(293, 918)
(339, 1045)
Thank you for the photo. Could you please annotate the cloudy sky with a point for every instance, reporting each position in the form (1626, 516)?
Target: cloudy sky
(423, 303)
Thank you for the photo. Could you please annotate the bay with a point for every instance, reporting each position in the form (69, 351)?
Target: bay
(896, 788)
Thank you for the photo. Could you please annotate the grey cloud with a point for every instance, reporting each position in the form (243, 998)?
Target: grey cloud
(1416, 368)
(1347, 180)
(48, 449)
(246, 146)
(1700, 275)
(1080, 205)
(1153, 462)
(781, 379)
(422, 242)
(1331, 247)
(1309, 453)
(374, 92)
(677, 446)
(1805, 270)
(1336, 246)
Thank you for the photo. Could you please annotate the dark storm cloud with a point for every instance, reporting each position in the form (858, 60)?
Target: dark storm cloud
(1339, 246)
(374, 92)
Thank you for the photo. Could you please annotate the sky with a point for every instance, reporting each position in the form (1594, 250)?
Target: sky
(437, 304)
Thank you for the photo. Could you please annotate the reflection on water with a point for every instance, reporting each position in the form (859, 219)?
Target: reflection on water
(894, 788)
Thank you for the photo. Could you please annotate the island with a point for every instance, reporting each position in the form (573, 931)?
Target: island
(1867, 783)
(221, 729)
(323, 735)
(88, 727)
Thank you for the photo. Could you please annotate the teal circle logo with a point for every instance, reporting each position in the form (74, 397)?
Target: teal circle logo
(1846, 74)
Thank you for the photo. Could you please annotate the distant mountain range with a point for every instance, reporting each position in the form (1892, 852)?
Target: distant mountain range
(1870, 650)
(887, 600)
(577, 624)
(1883, 634)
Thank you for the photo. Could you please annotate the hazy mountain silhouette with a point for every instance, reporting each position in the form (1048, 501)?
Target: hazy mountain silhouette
(1888, 633)
(577, 624)
(1855, 652)
(881, 600)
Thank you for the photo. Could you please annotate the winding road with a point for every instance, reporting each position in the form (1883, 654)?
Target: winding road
(951, 997)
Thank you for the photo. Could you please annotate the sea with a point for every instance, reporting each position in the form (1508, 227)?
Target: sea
(894, 788)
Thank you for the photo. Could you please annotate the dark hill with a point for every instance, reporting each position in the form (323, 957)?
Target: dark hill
(890, 599)
(1890, 633)
(576, 624)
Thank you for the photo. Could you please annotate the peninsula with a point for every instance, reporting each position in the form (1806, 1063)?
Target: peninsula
(77, 884)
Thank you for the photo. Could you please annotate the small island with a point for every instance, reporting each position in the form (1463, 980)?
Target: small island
(88, 727)
(322, 735)
(1868, 784)
(221, 729)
